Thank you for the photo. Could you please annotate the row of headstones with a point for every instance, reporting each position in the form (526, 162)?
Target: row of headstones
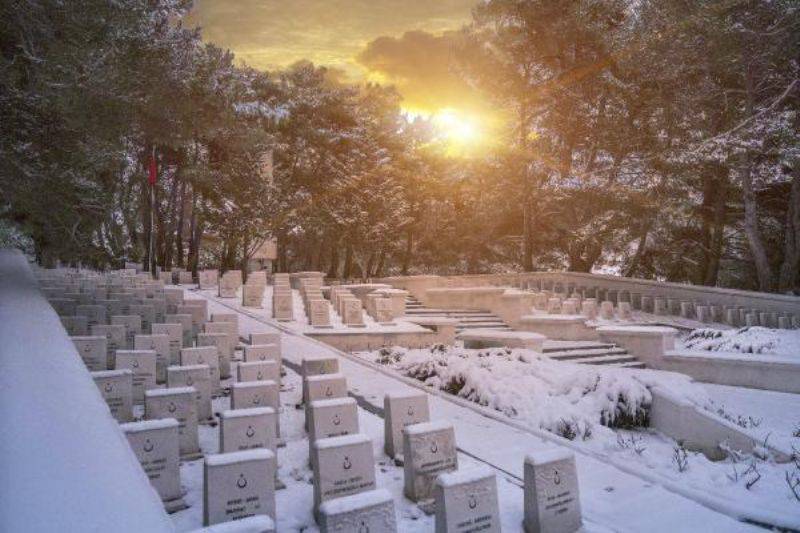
(282, 301)
(248, 436)
(316, 306)
(576, 304)
(345, 493)
(348, 306)
(703, 311)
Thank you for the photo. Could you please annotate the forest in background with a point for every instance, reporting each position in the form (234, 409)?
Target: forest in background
(654, 139)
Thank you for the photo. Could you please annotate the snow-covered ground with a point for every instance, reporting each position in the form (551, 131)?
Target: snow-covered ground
(750, 340)
(621, 489)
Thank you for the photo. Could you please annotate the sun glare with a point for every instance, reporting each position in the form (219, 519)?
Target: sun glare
(458, 132)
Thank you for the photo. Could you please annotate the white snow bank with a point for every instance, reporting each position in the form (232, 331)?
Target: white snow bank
(560, 397)
(752, 340)
(65, 463)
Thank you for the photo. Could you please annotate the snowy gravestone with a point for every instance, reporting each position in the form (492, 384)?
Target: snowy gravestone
(178, 403)
(252, 296)
(353, 314)
(384, 312)
(76, 326)
(371, 511)
(262, 352)
(185, 320)
(175, 334)
(255, 394)
(265, 338)
(155, 444)
(174, 298)
(143, 365)
(316, 365)
(199, 377)
(227, 288)
(158, 344)
(247, 429)
(282, 307)
(342, 466)
(207, 279)
(466, 500)
(237, 485)
(324, 387)
(115, 340)
(147, 314)
(93, 351)
(331, 418)
(319, 314)
(429, 449)
(258, 371)
(198, 312)
(204, 355)
(95, 314)
(116, 387)
(228, 328)
(133, 327)
(222, 342)
(402, 409)
(552, 503)
(185, 278)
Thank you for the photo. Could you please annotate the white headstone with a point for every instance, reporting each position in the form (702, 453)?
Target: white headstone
(466, 501)
(116, 387)
(259, 371)
(204, 355)
(247, 429)
(175, 334)
(178, 403)
(143, 365)
(115, 340)
(155, 444)
(238, 485)
(76, 326)
(331, 418)
(316, 365)
(384, 312)
(96, 314)
(199, 377)
(319, 313)
(429, 449)
(324, 387)
(93, 350)
(282, 307)
(402, 409)
(207, 279)
(252, 295)
(185, 278)
(366, 512)
(222, 342)
(133, 327)
(353, 314)
(342, 466)
(255, 394)
(262, 352)
(160, 345)
(552, 503)
(148, 314)
(185, 320)
(265, 338)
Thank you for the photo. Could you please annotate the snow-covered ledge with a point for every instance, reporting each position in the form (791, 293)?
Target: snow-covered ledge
(65, 463)
(647, 343)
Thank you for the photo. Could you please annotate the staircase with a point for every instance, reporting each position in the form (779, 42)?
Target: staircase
(467, 318)
(580, 352)
(590, 353)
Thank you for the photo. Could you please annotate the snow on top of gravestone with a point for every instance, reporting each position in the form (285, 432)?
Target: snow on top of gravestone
(347, 504)
(245, 364)
(148, 425)
(251, 411)
(333, 402)
(200, 349)
(254, 384)
(112, 373)
(263, 345)
(187, 367)
(324, 377)
(345, 440)
(320, 357)
(427, 427)
(465, 475)
(221, 459)
(548, 456)
(402, 394)
(260, 523)
(170, 391)
(136, 352)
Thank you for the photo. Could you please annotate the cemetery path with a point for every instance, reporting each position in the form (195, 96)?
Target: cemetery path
(613, 498)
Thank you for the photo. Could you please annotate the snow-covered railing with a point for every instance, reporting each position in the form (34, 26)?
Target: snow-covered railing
(64, 463)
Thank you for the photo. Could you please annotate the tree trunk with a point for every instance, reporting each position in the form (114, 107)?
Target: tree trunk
(348, 263)
(717, 232)
(333, 271)
(791, 239)
(408, 252)
(757, 249)
(641, 246)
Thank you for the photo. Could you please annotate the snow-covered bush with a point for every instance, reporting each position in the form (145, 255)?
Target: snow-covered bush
(756, 340)
(560, 397)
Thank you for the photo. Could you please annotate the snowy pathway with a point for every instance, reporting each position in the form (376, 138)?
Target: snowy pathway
(612, 499)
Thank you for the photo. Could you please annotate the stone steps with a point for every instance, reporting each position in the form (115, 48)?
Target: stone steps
(567, 355)
(606, 360)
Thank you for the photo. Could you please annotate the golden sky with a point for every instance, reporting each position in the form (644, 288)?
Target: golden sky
(406, 43)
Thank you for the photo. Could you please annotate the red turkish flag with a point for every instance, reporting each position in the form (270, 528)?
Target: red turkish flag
(153, 170)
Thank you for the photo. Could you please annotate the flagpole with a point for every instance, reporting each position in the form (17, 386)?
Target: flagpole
(152, 219)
